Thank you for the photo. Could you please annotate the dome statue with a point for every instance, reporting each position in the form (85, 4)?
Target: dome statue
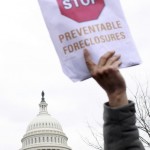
(44, 132)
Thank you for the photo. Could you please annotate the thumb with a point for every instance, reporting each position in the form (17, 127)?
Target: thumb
(90, 64)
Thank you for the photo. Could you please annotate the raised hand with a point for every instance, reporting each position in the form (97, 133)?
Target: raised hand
(108, 76)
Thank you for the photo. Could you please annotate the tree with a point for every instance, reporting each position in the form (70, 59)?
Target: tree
(141, 97)
(97, 136)
(142, 101)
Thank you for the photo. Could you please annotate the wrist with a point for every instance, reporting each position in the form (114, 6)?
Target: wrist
(117, 100)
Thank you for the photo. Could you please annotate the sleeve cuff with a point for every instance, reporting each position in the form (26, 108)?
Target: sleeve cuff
(118, 114)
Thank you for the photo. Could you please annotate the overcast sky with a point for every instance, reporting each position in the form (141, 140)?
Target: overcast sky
(29, 64)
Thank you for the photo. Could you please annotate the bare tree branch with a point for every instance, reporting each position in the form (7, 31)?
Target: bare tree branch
(141, 98)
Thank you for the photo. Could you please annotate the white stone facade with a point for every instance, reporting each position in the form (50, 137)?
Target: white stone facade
(44, 132)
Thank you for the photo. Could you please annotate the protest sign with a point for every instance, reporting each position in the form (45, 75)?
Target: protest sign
(98, 25)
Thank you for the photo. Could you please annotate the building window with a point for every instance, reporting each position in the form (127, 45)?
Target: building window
(31, 141)
(47, 139)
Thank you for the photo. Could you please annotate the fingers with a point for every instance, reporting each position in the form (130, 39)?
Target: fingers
(90, 64)
(113, 59)
(103, 60)
(109, 59)
(116, 64)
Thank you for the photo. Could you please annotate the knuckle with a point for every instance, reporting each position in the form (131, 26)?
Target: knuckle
(106, 71)
(97, 73)
(112, 69)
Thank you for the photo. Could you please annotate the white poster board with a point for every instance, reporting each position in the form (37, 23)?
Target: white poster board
(98, 25)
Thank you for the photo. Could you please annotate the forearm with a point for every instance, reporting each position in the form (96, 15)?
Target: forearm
(120, 131)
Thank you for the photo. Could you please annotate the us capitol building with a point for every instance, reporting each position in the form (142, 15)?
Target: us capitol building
(44, 132)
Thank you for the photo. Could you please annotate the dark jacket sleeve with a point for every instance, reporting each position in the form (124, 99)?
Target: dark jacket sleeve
(120, 131)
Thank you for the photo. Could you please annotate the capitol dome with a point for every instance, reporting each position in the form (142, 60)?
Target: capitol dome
(44, 132)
